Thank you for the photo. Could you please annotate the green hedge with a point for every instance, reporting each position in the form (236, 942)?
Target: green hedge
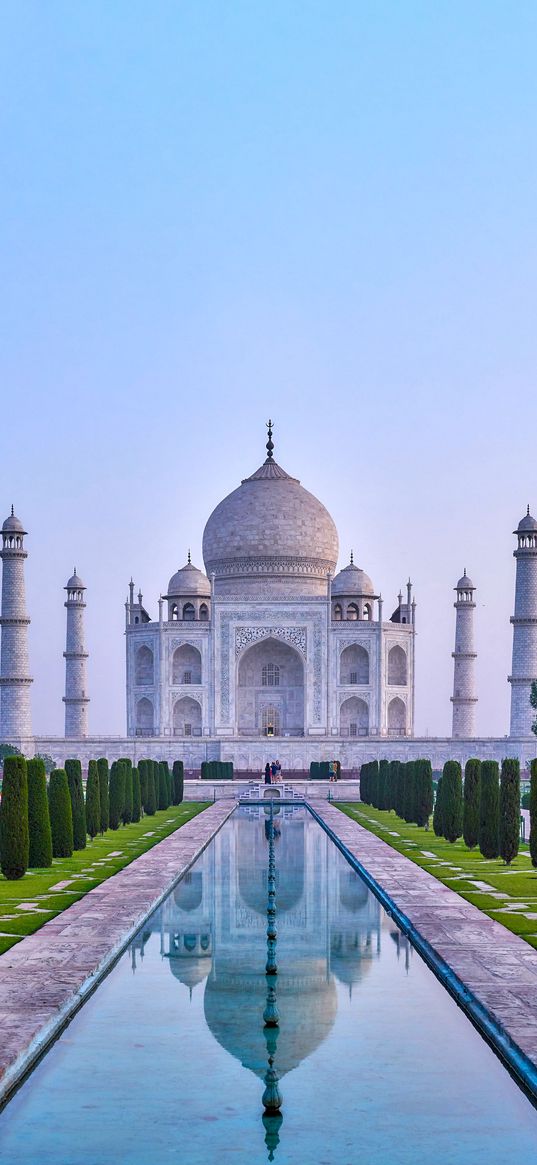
(178, 773)
(423, 791)
(509, 831)
(126, 813)
(93, 800)
(73, 768)
(61, 814)
(489, 809)
(39, 831)
(14, 838)
(533, 812)
(470, 819)
(104, 800)
(452, 800)
(117, 793)
(216, 770)
(136, 795)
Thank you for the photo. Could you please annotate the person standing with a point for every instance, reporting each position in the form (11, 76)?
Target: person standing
(278, 771)
(267, 774)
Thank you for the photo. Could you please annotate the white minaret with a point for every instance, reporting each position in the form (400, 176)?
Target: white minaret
(76, 701)
(464, 698)
(15, 710)
(524, 620)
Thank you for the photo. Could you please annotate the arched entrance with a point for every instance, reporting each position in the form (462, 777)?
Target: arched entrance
(270, 690)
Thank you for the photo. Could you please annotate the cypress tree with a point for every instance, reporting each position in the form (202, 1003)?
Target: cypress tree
(384, 778)
(393, 771)
(178, 782)
(162, 786)
(73, 768)
(93, 800)
(117, 793)
(14, 839)
(61, 814)
(136, 796)
(533, 812)
(151, 805)
(142, 772)
(169, 782)
(509, 831)
(423, 792)
(374, 783)
(40, 836)
(409, 814)
(400, 789)
(104, 798)
(438, 824)
(489, 810)
(452, 800)
(126, 813)
(470, 820)
(363, 783)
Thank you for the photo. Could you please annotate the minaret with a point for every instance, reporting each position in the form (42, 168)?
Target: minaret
(524, 620)
(15, 711)
(464, 698)
(76, 701)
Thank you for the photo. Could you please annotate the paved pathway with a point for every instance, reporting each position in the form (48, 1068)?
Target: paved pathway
(44, 978)
(496, 965)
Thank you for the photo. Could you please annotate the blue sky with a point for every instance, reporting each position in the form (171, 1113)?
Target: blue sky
(215, 211)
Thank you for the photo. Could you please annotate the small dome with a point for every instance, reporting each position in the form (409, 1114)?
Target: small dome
(13, 525)
(190, 581)
(526, 524)
(75, 583)
(352, 581)
(465, 583)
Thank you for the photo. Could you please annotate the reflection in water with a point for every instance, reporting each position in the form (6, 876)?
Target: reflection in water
(213, 931)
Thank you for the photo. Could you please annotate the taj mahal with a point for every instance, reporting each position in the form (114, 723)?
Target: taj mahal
(271, 640)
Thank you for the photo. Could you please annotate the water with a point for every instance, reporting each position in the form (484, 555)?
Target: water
(166, 1062)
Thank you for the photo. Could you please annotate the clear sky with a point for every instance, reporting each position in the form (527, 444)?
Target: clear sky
(321, 211)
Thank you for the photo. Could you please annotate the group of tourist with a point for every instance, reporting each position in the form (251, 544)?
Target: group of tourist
(273, 772)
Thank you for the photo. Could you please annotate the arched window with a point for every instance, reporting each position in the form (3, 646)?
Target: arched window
(187, 717)
(188, 612)
(144, 666)
(352, 611)
(354, 717)
(270, 675)
(204, 612)
(396, 717)
(338, 612)
(397, 667)
(368, 611)
(144, 717)
(175, 611)
(354, 665)
(186, 665)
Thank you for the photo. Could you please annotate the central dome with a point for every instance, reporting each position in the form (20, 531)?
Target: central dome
(272, 535)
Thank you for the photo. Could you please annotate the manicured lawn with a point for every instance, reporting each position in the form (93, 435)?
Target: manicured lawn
(29, 902)
(506, 893)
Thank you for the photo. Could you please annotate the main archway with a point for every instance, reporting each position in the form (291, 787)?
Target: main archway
(270, 690)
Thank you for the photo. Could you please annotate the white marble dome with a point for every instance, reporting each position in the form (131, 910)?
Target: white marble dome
(272, 535)
(352, 581)
(189, 581)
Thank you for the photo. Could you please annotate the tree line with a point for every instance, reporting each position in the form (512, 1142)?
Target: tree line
(484, 809)
(40, 821)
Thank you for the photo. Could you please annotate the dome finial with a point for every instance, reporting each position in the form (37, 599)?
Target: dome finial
(352, 557)
(13, 510)
(270, 443)
(189, 559)
(527, 511)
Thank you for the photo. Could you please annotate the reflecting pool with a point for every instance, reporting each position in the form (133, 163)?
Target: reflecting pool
(167, 1062)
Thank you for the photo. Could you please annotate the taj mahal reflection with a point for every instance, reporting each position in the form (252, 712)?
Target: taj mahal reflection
(212, 931)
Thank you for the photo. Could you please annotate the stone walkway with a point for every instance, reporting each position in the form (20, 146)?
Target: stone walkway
(498, 967)
(45, 977)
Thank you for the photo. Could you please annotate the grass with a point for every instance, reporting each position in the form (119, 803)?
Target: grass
(37, 897)
(508, 893)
